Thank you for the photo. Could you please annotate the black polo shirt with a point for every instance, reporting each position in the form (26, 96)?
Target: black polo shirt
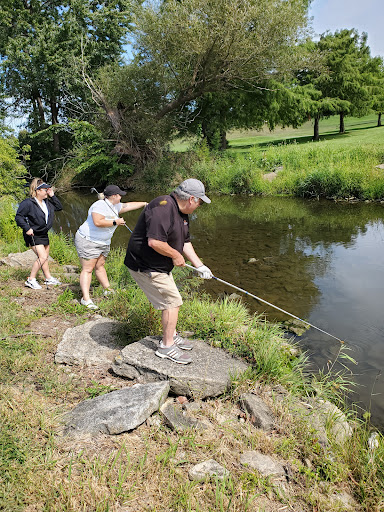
(161, 220)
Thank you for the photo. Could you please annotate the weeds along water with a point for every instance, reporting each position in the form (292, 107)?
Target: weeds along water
(147, 469)
(338, 166)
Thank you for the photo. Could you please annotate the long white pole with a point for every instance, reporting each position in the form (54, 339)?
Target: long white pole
(269, 304)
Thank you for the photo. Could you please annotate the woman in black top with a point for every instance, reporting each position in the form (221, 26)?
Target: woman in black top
(35, 217)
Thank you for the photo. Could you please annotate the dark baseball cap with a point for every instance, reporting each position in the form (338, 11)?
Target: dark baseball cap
(195, 188)
(111, 190)
(43, 185)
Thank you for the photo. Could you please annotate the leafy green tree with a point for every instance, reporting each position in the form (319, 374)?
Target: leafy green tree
(43, 46)
(346, 57)
(216, 113)
(376, 88)
(185, 50)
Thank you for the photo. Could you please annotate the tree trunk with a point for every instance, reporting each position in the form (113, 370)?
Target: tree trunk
(207, 134)
(55, 115)
(342, 127)
(40, 108)
(379, 119)
(223, 140)
(316, 135)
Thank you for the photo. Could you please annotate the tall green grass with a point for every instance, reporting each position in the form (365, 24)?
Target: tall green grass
(338, 166)
(308, 170)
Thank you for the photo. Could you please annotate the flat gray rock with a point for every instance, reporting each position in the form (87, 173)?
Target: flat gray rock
(209, 468)
(118, 411)
(208, 375)
(264, 464)
(21, 259)
(89, 344)
(260, 415)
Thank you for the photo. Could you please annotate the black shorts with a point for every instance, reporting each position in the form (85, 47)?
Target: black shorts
(35, 240)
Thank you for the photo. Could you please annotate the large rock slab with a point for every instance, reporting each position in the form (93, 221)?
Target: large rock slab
(21, 259)
(118, 411)
(89, 344)
(208, 375)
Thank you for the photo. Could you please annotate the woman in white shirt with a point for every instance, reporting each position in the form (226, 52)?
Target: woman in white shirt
(93, 238)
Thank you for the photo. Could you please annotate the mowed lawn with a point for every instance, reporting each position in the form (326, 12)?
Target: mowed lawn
(361, 130)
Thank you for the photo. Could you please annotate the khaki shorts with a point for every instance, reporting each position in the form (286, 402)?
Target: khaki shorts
(160, 289)
(90, 250)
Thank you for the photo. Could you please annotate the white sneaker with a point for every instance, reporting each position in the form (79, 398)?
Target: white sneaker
(108, 292)
(88, 303)
(52, 281)
(32, 283)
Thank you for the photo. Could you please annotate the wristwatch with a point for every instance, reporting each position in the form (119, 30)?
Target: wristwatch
(114, 223)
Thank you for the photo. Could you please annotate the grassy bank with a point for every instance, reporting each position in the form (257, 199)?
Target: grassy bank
(338, 166)
(146, 470)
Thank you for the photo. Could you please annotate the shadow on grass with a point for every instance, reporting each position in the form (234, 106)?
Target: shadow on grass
(303, 139)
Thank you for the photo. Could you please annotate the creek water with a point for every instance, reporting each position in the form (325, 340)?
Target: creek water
(320, 260)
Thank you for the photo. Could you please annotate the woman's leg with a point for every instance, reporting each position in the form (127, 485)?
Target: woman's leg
(87, 267)
(101, 273)
(42, 253)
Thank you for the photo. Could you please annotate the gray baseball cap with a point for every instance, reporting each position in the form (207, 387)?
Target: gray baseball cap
(195, 188)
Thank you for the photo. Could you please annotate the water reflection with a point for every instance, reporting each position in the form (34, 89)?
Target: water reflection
(319, 260)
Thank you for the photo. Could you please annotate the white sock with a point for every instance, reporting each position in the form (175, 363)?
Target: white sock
(164, 346)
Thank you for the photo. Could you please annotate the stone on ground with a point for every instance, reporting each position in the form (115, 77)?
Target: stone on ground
(264, 464)
(89, 344)
(21, 259)
(327, 416)
(260, 415)
(177, 418)
(209, 468)
(118, 411)
(328, 421)
(208, 375)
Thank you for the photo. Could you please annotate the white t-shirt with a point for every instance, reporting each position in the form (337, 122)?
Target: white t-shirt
(91, 232)
(44, 207)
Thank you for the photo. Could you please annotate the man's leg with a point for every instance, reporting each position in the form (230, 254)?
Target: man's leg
(169, 321)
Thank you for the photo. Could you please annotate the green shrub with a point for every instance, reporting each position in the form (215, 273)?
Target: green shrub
(62, 248)
(12, 173)
(9, 231)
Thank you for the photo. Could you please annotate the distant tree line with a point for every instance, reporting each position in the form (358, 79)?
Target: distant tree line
(195, 68)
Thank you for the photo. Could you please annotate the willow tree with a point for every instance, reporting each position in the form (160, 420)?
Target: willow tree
(185, 49)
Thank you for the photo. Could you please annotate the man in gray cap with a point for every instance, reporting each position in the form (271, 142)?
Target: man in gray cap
(157, 244)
